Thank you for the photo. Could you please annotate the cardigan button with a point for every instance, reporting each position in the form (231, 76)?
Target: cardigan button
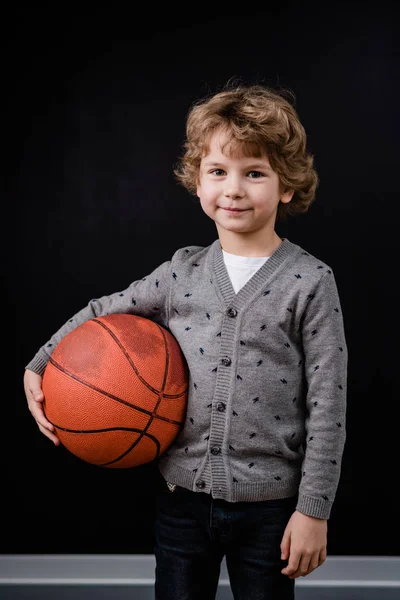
(221, 406)
(216, 450)
(232, 312)
(201, 484)
(226, 361)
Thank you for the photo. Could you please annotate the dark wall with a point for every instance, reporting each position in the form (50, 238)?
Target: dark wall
(97, 103)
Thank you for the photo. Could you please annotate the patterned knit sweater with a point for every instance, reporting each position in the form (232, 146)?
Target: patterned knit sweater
(266, 405)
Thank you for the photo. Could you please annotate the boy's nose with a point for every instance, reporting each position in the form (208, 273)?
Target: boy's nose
(233, 189)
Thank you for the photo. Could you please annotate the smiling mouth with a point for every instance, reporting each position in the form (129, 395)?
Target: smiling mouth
(235, 210)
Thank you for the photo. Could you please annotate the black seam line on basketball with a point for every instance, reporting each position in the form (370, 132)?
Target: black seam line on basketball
(166, 356)
(116, 340)
(142, 434)
(169, 396)
(175, 396)
(111, 396)
(141, 431)
(131, 448)
(104, 430)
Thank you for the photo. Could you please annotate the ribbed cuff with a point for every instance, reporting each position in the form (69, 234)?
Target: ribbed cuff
(38, 364)
(314, 507)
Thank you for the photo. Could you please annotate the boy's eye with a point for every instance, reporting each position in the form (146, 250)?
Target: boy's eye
(251, 174)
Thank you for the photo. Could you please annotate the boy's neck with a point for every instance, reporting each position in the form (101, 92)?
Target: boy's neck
(249, 248)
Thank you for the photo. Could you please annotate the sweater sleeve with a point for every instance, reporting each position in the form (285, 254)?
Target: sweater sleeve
(148, 297)
(325, 364)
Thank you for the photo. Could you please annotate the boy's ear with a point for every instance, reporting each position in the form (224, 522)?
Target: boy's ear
(287, 196)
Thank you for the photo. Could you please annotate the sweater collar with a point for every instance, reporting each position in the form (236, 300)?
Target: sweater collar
(258, 281)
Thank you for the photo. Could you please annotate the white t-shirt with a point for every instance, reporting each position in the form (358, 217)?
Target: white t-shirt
(242, 268)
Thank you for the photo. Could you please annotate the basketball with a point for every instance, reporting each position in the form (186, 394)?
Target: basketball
(115, 390)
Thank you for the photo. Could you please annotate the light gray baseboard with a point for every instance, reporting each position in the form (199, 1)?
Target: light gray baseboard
(123, 577)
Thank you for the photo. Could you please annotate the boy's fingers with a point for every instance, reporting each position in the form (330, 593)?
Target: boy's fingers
(35, 397)
(297, 567)
(46, 424)
(293, 564)
(303, 566)
(285, 546)
(49, 435)
(314, 563)
(38, 415)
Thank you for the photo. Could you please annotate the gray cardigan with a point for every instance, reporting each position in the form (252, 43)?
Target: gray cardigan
(266, 405)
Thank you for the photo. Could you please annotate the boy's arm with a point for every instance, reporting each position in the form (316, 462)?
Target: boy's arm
(325, 355)
(147, 297)
(304, 541)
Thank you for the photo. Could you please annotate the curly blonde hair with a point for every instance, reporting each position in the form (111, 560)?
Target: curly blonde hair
(258, 120)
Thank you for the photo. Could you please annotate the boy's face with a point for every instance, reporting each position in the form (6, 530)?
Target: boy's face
(236, 181)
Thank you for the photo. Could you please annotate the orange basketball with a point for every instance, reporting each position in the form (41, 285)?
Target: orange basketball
(116, 389)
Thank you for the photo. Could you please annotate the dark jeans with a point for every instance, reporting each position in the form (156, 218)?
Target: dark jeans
(193, 531)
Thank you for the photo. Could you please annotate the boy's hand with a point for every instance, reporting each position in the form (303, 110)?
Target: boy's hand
(35, 397)
(303, 544)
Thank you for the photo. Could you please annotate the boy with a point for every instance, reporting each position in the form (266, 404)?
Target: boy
(254, 472)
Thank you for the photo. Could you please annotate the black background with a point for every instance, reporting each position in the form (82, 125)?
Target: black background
(97, 100)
